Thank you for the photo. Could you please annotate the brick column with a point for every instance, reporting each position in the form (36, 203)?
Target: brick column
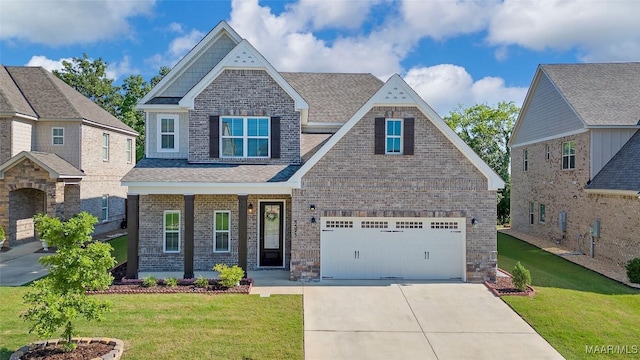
(133, 202)
(242, 233)
(188, 236)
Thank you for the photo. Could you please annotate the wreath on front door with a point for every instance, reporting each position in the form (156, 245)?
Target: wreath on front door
(271, 216)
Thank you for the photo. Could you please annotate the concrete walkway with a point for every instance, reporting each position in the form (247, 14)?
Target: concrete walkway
(20, 265)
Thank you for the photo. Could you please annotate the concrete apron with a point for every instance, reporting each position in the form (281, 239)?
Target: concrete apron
(415, 321)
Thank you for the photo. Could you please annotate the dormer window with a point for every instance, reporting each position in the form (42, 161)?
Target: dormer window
(247, 137)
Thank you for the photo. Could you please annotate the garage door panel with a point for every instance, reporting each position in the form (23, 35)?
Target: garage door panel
(372, 248)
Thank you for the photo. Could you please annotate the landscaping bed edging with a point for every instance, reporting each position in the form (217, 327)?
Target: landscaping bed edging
(504, 286)
(115, 354)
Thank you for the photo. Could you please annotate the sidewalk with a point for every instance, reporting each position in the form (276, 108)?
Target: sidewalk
(611, 271)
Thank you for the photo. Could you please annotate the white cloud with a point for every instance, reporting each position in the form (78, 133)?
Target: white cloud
(55, 22)
(40, 60)
(322, 14)
(177, 48)
(446, 86)
(599, 30)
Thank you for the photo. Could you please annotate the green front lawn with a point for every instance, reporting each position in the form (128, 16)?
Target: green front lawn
(119, 245)
(574, 308)
(181, 326)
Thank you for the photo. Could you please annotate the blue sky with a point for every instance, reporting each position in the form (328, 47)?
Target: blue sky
(451, 52)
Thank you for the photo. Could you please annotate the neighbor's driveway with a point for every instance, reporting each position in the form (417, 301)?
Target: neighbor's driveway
(415, 321)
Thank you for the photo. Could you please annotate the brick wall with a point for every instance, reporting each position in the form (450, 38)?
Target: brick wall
(563, 190)
(437, 181)
(244, 92)
(152, 208)
(103, 177)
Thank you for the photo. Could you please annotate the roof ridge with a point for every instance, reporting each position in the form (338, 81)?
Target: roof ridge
(21, 93)
(48, 75)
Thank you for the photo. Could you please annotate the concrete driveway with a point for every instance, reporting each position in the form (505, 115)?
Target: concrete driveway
(416, 321)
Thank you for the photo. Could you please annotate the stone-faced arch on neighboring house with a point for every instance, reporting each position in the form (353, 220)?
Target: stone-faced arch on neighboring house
(32, 183)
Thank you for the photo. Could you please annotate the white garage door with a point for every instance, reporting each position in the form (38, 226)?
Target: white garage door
(408, 248)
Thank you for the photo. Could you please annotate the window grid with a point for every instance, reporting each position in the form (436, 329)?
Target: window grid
(374, 225)
(167, 133)
(548, 150)
(339, 224)
(393, 138)
(409, 224)
(222, 231)
(568, 155)
(444, 225)
(532, 209)
(245, 137)
(542, 213)
(104, 214)
(171, 231)
(105, 147)
(129, 151)
(57, 135)
(525, 158)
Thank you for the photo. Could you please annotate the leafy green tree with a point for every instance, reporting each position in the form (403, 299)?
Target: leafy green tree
(89, 77)
(78, 265)
(487, 131)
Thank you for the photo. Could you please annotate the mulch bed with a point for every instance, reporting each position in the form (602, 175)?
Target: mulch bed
(121, 285)
(83, 351)
(503, 286)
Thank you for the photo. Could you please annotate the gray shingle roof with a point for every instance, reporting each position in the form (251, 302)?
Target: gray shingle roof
(623, 171)
(11, 100)
(601, 94)
(333, 97)
(179, 170)
(51, 98)
(310, 143)
(50, 162)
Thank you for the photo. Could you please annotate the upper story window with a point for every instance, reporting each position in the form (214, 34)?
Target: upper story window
(57, 136)
(525, 160)
(105, 147)
(568, 155)
(245, 137)
(129, 151)
(393, 138)
(168, 131)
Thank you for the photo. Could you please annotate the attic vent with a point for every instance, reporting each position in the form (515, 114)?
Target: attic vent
(409, 225)
(339, 224)
(374, 225)
(444, 225)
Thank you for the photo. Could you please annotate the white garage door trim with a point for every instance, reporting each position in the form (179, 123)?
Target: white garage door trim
(393, 247)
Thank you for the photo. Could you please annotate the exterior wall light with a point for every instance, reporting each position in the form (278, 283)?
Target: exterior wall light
(313, 219)
(250, 208)
(474, 223)
(312, 207)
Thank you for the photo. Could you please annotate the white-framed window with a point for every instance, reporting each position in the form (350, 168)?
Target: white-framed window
(525, 160)
(104, 213)
(57, 136)
(245, 137)
(393, 136)
(171, 231)
(168, 131)
(532, 209)
(568, 155)
(105, 147)
(542, 213)
(222, 231)
(129, 151)
(548, 152)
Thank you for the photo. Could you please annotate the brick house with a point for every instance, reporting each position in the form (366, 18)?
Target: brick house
(325, 175)
(59, 154)
(575, 152)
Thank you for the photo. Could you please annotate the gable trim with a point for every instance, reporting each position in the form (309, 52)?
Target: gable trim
(397, 92)
(233, 61)
(178, 69)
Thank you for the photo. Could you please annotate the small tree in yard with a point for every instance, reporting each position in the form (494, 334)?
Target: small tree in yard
(521, 277)
(77, 266)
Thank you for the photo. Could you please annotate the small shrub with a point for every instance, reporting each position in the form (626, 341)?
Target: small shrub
(149, 281)
(633, 270)
(521, 277)
(201, 282)
(2, 234)
(229, 276)
(171, 282)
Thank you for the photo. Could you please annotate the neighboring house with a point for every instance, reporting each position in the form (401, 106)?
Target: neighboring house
(59, 154)
(325, 175)
(575, 151)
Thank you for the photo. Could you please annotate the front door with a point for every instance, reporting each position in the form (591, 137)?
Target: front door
(271, 231)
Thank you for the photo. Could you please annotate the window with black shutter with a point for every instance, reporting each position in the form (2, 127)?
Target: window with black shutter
(394, 136)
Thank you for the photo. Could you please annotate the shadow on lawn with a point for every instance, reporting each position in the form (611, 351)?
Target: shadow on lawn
(549, 270)
(5, 353)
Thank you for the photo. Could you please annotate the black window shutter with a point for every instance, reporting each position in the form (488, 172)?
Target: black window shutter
(214, 136)
(408, 136)
(275, 137)
(379, 135)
